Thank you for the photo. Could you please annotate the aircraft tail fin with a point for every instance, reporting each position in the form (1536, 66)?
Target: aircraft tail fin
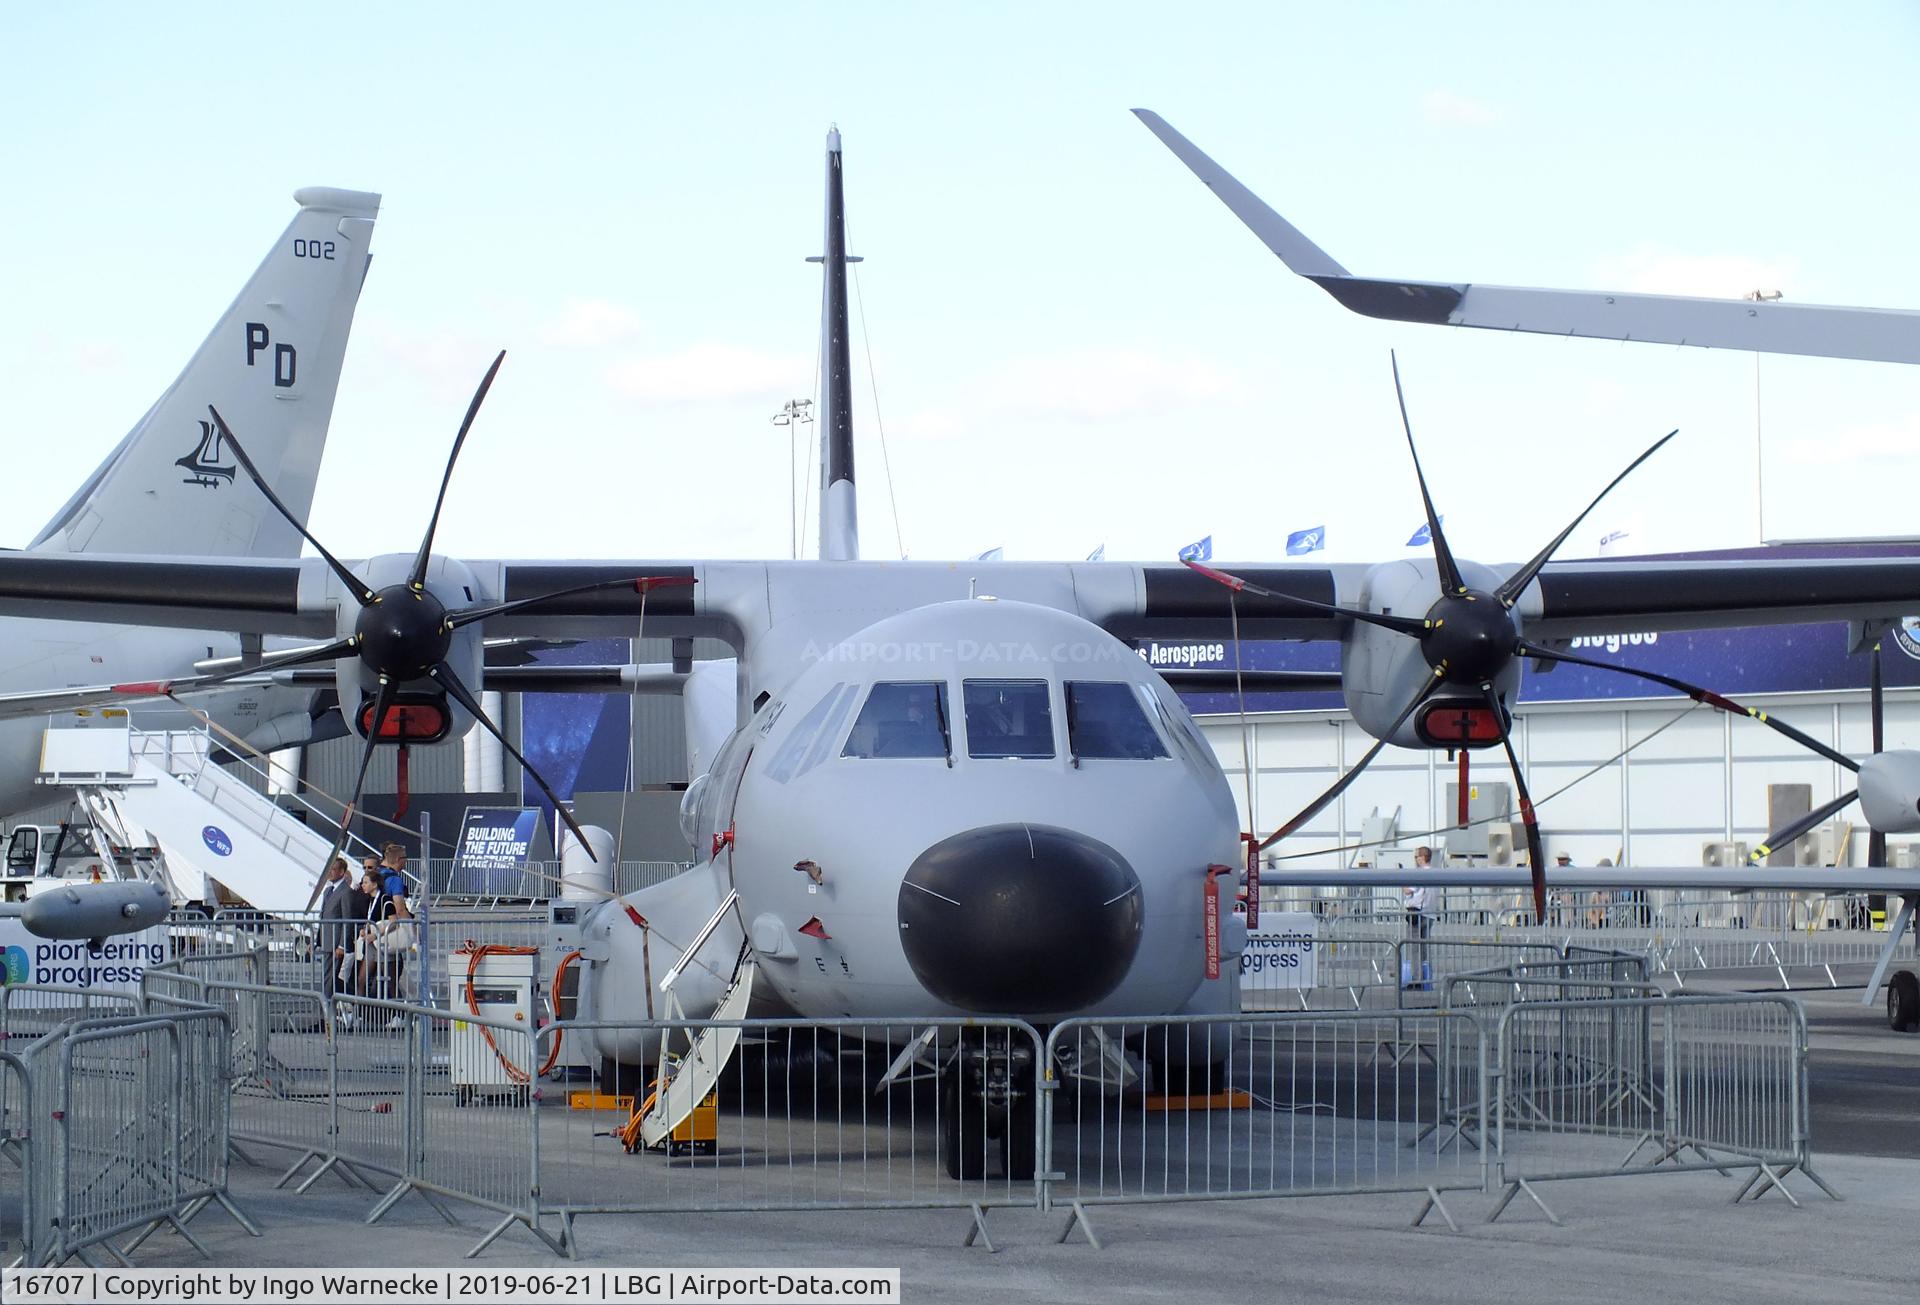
(839, 521)
(271, 365)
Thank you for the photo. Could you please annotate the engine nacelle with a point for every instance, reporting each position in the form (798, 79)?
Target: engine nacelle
(1890, 791)
(1382, 670)
(423, 711)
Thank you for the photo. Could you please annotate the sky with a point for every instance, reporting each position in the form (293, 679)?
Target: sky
(1071, 342)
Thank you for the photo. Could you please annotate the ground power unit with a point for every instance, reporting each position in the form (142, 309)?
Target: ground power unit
(483, 1063)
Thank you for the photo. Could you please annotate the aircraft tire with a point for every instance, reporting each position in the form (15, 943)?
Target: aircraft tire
(1903, 1002)
(1017, 1143)
(962, 1148)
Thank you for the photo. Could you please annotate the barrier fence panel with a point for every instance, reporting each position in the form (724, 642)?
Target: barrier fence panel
(282, 1071)
(1627, 1084)
(819, 1114)
(1421, 963)
(123, 1131)
(464, 1088)
(33, 1143)
(29, 1011)
(28, 1154)
(1256, 1106)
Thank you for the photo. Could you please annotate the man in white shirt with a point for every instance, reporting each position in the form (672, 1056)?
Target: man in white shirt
(1416, 898)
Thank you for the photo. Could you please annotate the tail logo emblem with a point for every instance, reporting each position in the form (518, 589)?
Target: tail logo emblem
(203, 464)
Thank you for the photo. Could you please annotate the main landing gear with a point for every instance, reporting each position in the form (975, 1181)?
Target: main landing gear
(1903, 1002)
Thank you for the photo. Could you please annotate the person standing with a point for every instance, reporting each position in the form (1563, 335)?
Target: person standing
(342, 910)
(1417, 898)
(1562, 898)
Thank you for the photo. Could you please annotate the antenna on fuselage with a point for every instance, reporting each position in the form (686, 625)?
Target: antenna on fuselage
(839, 521)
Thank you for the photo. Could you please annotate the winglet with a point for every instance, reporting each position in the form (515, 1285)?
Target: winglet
(1811, 330)
(1300, 254)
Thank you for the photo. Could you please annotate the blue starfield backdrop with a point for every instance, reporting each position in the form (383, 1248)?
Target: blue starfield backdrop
(1806, 658)
(1759, 659)
(579, 741)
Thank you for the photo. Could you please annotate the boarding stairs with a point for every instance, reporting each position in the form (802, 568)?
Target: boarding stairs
(161, 788)
(687, 1080)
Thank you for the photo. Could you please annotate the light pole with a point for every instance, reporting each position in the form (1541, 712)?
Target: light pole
(1759, 461)
(794, 414)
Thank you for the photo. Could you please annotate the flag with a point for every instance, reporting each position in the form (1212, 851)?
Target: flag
(1098, 555)
(1306, 541)
(1424, 535)
(993, 554)
(1200, 550)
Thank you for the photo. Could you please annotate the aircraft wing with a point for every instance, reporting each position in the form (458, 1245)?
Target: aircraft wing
(1756, 878)
(735, 601)
(1569, 598)
(1816, 330)
(608, 678)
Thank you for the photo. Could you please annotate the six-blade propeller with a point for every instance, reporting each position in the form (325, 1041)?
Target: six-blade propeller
(403, 632)
(1467, 638)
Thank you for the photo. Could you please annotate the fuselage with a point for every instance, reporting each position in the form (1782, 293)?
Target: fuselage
(994, 808)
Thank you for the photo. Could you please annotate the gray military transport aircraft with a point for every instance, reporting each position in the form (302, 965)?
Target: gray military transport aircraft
(951, 788)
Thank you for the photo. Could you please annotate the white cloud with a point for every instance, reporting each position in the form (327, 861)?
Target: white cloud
(1888, 441)
(711, 371)
(586, 323)
(1456, 110)
(1654, 269)
(1100, 385)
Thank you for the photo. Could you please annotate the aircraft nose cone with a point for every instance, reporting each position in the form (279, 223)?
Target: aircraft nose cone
(1020, 918)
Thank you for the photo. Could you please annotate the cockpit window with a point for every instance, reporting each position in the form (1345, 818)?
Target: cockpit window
(1008, 718)
(905, 719)
(1106, 721)
(803, 748)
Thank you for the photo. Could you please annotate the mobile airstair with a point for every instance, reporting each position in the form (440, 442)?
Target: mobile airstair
(687, 1080)
(162, 788)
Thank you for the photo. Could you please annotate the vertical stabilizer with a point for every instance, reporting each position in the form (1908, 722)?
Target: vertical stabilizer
(271, 366)
(839, 521)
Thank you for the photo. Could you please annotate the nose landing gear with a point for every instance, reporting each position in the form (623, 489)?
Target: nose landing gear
(987, 1103)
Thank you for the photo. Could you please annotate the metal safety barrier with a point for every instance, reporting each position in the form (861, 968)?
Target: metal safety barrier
(1528, 1071)
(122, 1129)
(1685, 1082)
(808, 1114)
(1297, 1104)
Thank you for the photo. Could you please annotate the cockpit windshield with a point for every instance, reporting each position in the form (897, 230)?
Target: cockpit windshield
(1107, 721)
(1008, 718)
(902, 719)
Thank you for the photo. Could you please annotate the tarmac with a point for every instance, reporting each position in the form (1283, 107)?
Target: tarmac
(1621, 1238)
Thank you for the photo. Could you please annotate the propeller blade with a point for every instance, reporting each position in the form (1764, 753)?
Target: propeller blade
(419, 576)
(382, 703)
(191, 683)
(1510, 590)
(444, 674)
(1783, 838)
(1718, 701)
(1399, 624)
(1442, 555)
(1319, 804)
(1536, 854)
(643, 584)
(355, 585)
